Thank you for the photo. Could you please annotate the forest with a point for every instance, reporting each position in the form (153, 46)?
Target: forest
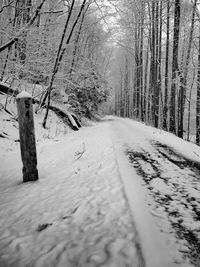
(57, 50)
(159, 73)
(100, 133)
(141, 56)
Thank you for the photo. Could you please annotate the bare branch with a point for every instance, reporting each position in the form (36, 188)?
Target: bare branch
(12, 41)
(79, 154)
(52, 12)
(9, 4)
(9, 44)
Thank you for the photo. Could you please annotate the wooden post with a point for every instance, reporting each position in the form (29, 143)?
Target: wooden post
(27, 136)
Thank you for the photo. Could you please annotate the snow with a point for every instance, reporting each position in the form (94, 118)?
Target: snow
(172, 190)
(159, 186)
(9, 127)
(79, 204)
(187, 149)
(71, 119)
(158, 248)
(23, 94)
(107, 195)
(150, 238)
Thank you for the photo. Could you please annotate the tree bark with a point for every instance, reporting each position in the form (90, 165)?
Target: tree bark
(160, 103)
(156, 89)
(174, 66)
(153, 65)
(55, 69)
(141, 60)
(77, 41)
(183, 79)
(165, 111)
(198, 99)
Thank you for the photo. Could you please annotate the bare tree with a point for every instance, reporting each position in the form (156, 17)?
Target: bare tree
(175, 67)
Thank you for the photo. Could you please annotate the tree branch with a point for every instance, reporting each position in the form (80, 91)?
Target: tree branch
(9, 4)
(71, 32)
(9, 44)
(52, 12)
(12, 41)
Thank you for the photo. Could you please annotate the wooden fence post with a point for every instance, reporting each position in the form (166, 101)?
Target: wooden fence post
(27, 136)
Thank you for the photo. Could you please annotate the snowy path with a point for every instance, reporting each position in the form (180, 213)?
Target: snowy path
(169, 169)
(75, 215)
(129, 200)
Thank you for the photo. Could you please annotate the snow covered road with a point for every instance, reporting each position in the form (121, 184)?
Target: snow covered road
(75, 215)
(114, 194)
(169, 169)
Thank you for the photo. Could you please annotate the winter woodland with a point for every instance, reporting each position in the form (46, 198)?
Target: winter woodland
(115, 90)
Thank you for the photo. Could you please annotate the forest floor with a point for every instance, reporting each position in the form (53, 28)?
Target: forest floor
(116, 193)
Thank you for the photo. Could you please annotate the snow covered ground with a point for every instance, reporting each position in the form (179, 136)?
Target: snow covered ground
(117, 193)
(75, 215)
(167, 168)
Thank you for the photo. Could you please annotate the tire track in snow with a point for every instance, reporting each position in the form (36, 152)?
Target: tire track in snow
(162, 169)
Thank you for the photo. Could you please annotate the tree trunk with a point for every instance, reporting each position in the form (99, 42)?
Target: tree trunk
(174, 66)
(137, 71)
(198, 99)
(141, 61)
(55, 69)
(184, 77)
(145, 105)
(153, 66)
(160, 61)
(189, 106)
(76, 41)
(156, 89)
(165, 111)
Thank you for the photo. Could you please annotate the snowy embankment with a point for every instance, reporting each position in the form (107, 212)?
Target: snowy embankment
(77, 213)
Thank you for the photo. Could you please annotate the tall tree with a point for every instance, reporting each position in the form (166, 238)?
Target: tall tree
(183, 80)
(165, 111)
(175, 67)
(198, 98)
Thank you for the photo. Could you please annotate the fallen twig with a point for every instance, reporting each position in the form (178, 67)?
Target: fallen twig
(79, 154)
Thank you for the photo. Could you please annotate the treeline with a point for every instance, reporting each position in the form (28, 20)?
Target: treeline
(59, 45)
(159, 66)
